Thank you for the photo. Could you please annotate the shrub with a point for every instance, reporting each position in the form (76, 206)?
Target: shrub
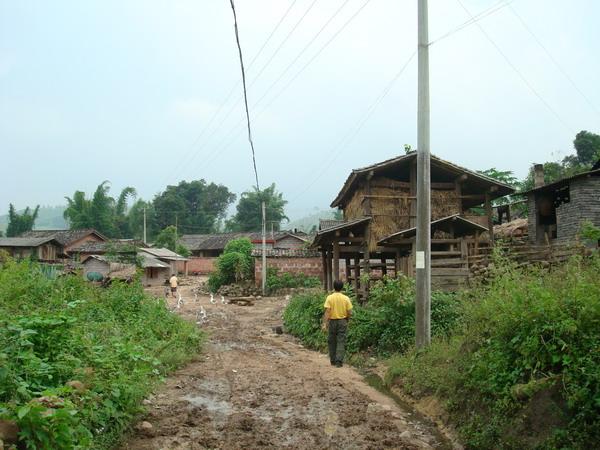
(76, 360)
(386, 324)
(234, 265)
(524, 369)
(286, 280)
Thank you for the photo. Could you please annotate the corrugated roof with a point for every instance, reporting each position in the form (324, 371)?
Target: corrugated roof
(64, 237)
(356, 174)
(26, 241)
(150, 261)
(163, 253)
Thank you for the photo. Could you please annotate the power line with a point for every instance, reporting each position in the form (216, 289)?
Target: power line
(237, 39)
(228, 97)
(353, 132)
(482, 15)
(517, 71)
(554, 61)
(219, 149)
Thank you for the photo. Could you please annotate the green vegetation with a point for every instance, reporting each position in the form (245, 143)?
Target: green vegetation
(523, 368)
(76, 360)
(248, 216)
(168, 238)
(284, 280)
(20, 223)
(235, 265)
(385, 325)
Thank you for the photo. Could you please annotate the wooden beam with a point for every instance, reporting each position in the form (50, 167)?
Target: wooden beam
(443, 186)
(324, 262)
(329, 270)
(348, 273)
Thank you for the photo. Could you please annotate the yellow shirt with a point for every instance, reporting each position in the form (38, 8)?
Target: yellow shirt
(338, 305)
(173, 281)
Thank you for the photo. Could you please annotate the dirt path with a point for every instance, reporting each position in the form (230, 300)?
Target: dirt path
(252, 388)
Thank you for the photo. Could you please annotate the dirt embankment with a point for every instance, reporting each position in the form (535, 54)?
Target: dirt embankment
(252, 388)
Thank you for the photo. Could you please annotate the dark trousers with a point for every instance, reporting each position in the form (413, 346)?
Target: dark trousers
(337, 340)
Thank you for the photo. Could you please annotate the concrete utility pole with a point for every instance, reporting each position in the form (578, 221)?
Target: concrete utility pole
(144, 225)
(423, 244)
(264, 249)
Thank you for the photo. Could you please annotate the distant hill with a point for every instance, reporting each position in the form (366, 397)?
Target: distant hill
(49, 218)
(307, 223)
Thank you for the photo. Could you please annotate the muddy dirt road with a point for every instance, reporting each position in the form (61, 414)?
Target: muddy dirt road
(252, 388)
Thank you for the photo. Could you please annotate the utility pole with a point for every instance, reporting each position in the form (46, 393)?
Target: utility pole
(423, 256)
(144, 224)
(264, 249)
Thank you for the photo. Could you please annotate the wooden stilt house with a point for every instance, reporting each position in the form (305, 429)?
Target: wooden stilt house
(377, 235)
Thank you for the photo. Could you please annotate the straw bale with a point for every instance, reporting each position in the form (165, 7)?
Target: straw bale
(444, 203)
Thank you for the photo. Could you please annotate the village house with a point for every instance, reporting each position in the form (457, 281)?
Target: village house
(212, 245)
(101, 268)
(68, 239)
(557, 210)
(175, 262)
(377, 234)
(43, 249)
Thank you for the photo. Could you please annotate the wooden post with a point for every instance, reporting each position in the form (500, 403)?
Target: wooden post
(329, 270)
(477, 242)
(397, 261)
(367, 204)
(336, 261)
(324, 262)
(490, 220)
(348, 272)
(384, 268)
(356, 273)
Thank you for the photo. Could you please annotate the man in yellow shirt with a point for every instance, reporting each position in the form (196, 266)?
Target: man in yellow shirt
(173, 282)
(338, 310)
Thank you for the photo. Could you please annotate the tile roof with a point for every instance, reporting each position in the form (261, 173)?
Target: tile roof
(26, 241)
(218, 241)
(163, 253)
(64, 237)
(563, 181)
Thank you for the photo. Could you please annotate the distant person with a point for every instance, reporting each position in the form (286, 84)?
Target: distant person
(173, 282)
(338, 310)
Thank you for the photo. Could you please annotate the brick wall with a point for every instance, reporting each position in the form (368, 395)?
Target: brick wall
(201, 265)
(311, 266)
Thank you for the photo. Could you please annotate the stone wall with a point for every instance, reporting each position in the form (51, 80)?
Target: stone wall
(584, 205)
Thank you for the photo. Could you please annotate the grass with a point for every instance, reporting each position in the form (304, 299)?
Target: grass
(76, 360)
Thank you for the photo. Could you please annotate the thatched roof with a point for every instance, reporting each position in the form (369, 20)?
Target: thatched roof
(64, 237)
(462, 227)
(27, 241)
(440, 169)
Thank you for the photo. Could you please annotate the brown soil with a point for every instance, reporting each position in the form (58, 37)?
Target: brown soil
(252, 388)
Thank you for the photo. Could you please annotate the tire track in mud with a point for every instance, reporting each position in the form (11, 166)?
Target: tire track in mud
(251, 388)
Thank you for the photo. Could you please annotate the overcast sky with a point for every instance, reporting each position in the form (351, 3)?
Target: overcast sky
(126, 90)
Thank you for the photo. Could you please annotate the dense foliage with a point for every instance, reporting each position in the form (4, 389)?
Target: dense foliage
(386, 324)
(102, 212)
(169, 238)
(77, 360)
(277, 280)
(248, 216)
(235, 265)
(523, 370)
(20, 223)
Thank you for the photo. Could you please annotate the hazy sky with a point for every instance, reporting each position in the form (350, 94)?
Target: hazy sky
(124, 91)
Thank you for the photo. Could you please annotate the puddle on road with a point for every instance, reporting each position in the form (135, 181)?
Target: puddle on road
(416, 418)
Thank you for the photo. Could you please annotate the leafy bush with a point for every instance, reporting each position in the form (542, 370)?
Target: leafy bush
(386, 324)
(286, 280)
(234, 265)
(76, 360)
(524, 370)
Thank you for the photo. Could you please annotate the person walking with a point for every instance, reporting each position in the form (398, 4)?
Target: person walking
(173, 282)
(338, 310)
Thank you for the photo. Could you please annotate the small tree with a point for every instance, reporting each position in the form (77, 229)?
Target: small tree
(168, 238)
(234, 265)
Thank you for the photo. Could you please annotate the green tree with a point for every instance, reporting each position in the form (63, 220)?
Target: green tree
(135, 219)
(196, 206)
(168, 238)
(236, 264)
(587, 147)
(248, 215)
(20, 223)
(101, 212)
